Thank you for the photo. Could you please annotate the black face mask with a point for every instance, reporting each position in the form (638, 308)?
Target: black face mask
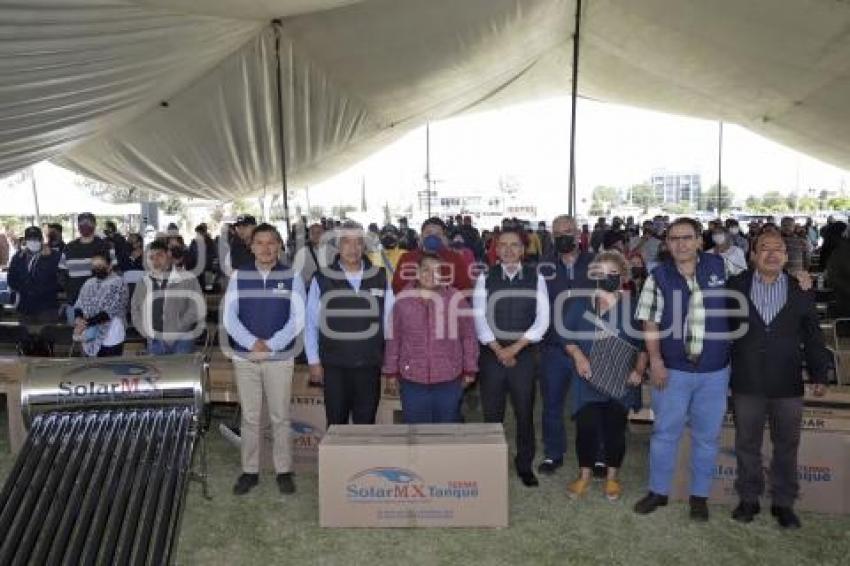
(611, 283)
(638, 272)
(565, 244)
(100, 273)
(389, 242)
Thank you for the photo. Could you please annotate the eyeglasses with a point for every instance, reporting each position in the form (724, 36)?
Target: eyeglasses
(676, 239)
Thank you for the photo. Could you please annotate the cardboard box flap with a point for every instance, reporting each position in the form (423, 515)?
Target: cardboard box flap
(404, 435)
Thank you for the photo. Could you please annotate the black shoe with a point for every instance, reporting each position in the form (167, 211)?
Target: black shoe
(699, 509)
(786, 517)
(746, 511)
(528, 479)
(285, 483)
(245, 483)
(549, 466)
(650, 503)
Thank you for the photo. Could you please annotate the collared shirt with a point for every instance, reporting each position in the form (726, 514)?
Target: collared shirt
(314, 303)
(651, 307)
(479, 306)
(769, 298)
(282, 337)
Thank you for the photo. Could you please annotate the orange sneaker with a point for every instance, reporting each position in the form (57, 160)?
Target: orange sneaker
(612, 490)
(578, 488)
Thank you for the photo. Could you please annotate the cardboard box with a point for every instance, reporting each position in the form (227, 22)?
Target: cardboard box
(389, 412)
(222, 379)
(307, 424)
(414, 476)
(823, 468)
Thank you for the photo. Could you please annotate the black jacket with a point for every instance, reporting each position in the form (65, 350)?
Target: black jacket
(768, 359)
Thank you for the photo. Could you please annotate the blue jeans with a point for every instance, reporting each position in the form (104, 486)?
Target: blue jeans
(163, 348)
(556, 372)
(437, 403)
(697, 400)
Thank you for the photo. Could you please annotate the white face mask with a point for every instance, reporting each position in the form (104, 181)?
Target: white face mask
(34, 246)
(719, 239)
(734, 231)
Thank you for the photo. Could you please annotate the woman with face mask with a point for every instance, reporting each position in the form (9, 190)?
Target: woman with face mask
(32, 275)
(604, 341)
(100, 311)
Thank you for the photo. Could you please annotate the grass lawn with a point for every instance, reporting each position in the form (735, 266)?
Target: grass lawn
(264, 527)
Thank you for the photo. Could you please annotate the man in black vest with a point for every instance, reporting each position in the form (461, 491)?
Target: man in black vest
(511, 314)
(347, 309)
(767, 383)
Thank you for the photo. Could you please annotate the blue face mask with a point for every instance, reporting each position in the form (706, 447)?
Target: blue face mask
(432, 243)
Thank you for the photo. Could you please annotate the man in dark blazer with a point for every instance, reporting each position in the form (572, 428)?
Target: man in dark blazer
(767, 385)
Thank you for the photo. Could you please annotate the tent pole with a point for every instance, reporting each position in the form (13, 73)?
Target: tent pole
(35, 197)
(720, 171)
(428, 166)
(281, 128)
(576, 38)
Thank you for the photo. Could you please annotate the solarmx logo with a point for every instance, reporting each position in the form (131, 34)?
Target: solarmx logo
(399, 485)
(305, 435)
(110, 379)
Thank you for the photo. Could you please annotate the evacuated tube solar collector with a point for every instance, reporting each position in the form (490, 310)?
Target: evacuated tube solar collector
(102, 476)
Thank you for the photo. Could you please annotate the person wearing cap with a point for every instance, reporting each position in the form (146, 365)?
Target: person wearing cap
(75, 264)
(456, 270)
(32, 275)
(240, 244)
(348, 308)
(388, 254)
(263, 316)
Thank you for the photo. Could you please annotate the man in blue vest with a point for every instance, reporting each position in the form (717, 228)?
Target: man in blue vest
(565, 272)
(263, 315)
(687, 337)
(347, 311)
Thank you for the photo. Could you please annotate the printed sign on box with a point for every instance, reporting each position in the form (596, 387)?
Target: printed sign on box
(823, 466)
(413, 476)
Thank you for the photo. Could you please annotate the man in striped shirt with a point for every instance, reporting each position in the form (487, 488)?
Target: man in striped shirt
(767, 382)
(75, 263)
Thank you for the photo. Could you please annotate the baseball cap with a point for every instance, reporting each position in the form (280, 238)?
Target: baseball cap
(245, 220)
(32, 233)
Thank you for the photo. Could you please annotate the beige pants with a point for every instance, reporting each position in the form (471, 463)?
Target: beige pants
(275, 379)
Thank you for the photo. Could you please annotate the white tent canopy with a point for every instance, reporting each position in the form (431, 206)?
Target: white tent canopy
(83, 81)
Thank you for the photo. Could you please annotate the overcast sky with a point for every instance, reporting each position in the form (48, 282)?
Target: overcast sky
(616, 145)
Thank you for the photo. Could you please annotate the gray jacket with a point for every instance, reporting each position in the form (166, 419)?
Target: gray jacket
(184, 306)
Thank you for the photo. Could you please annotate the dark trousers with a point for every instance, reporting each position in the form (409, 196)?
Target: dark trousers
(110, 351)
(784, 416)
(556, 372)
(601, 425)
(423, 403)
(352, 393)
(497, 382)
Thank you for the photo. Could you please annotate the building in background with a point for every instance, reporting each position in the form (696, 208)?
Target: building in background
(677, 187)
